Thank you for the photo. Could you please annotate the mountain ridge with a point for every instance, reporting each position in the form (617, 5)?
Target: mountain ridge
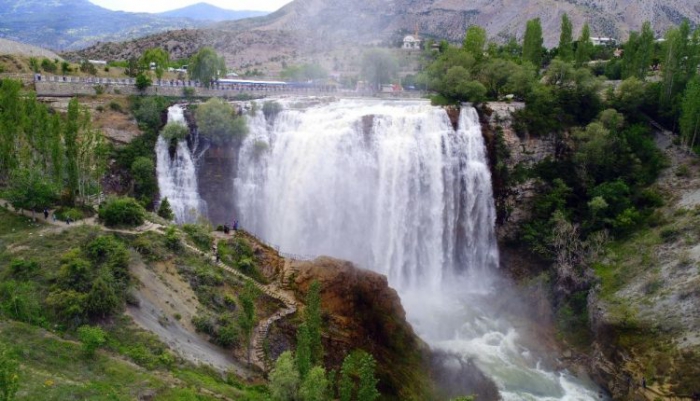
(207, 12)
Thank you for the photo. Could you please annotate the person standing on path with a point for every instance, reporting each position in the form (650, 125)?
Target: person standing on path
(46, 214)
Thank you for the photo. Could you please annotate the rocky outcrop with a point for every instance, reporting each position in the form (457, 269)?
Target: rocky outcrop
(361, 311)
(509, 154)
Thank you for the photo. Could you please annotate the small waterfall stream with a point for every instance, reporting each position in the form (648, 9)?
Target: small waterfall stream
(392, 187)
(177, 175)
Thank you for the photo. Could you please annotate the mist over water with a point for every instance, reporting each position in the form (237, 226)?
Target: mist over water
(394, 188)
(177, 175)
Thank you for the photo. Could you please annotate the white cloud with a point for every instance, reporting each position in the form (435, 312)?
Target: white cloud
(151, 6)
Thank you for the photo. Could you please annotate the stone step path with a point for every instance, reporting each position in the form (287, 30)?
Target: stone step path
(258, 357)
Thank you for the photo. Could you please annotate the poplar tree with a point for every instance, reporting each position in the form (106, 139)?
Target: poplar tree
(532, 43)
(302, 356)
(566, 49)
(475, 41)
(313, 321)
(690, 113)
(583, 47)
(70, 139)
(639, 51)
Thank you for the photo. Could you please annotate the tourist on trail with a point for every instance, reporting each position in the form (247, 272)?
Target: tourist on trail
(68, 220)
(54, 216)
(235, 225)
(46, 214)
(227, 229)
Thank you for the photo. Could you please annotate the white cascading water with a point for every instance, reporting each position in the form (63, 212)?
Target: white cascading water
(394, 188)
(177, 175)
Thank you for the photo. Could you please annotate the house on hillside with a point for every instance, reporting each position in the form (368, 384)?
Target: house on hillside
(600, 41)
(411, 42)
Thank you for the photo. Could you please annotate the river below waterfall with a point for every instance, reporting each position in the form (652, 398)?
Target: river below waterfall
(391, 186)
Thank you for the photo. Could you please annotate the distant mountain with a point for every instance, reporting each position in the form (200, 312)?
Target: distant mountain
(74, 24)
(336, 32)
(208, 12)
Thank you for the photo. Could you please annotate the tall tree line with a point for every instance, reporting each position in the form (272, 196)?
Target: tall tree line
(40, 149)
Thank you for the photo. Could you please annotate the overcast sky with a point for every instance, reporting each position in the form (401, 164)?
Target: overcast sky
(151, 6)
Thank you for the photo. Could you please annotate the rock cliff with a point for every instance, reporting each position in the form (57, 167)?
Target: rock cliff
(361, 311)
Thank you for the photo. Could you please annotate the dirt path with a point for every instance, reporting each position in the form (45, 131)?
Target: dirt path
(150, 314)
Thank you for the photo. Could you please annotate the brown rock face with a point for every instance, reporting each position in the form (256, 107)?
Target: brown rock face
(361, 311)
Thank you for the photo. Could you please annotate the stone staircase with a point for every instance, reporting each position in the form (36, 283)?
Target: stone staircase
(274, 291)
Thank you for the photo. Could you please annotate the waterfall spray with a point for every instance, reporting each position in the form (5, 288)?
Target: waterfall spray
(394, 188)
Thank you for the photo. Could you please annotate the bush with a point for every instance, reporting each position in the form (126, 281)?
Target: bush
(165, 211)
(271, 109)
(199, 234)
(122, 212)
(92, 338)
(114, 106)
(64, 213)
(217, 121)
(175, 131)
(172, 239)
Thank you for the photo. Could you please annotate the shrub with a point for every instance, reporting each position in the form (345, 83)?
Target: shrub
(92, 338)
(122, 212)
(23, 269)
(165, 211)
(175, 131)
(48, 66)
(199, 234)
(172, 239)
(114, 106)
(217, 121)
(271, 109)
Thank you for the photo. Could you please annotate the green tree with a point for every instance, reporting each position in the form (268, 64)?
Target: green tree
(246, 319)
(92, 337)
(48, 65)
(70, 139)
(103, 299)
(145, 183)
(87, 67)
(165, 211)
(284, 379)
(218, 121)
(9, 375)
(302, 354)
(379, 67)
(566, 39)
(584, 47)
(121, 212)
(475, 41)
(160, 59)
(30, 190)
(207, 66)
(367, 389)
(143, 82)
(175, 131)
(357, 377)
(34, 64)
(638, 54)
(315, 386)
(690, 113)
(65, 68)
(532, 42)
(313, 321)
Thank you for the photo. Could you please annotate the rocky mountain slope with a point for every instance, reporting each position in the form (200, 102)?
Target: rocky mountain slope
(306, 30)
(17, 48)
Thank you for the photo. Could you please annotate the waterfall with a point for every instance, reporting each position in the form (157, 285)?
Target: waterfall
(177, 175)
(394, 188)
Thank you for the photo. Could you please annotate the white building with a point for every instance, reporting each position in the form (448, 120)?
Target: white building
(599, 41)
(411, 42)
